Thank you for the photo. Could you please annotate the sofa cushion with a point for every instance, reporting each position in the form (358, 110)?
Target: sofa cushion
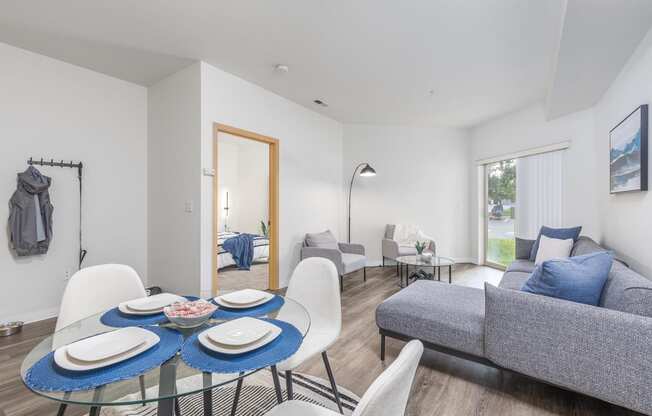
(585, 245)
(447, 315)
(523, 248)
(325, 239)
(559, 233)
(407, 250)
(578, 279)
(627, 291)
(514, 280)
(526, 266)
(353, 262)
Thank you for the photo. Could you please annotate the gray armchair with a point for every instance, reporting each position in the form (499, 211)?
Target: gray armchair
(347, 257)
(392, 249)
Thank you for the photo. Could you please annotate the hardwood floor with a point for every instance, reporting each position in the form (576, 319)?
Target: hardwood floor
(445, 386)
(230, 278)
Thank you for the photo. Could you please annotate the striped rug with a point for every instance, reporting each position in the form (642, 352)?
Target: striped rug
(256, 398)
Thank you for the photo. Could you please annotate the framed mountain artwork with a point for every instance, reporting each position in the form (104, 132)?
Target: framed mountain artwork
(628, 153)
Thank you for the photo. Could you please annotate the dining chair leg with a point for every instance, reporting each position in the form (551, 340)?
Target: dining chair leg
(332, 380)
(288, 384)
(95, 411)
(277, 385)
(208, 394)
(382, 347)
(236, 398)
(62, 409)
(365, 274)
(141, 381)
(341, 284)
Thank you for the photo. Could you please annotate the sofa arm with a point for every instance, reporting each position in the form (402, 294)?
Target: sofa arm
(351, 248)
(331, 254)
(596, 351)
(390, 248)
(523, 248)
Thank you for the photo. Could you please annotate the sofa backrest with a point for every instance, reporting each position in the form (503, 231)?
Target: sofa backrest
(625, 290)
(585, 245)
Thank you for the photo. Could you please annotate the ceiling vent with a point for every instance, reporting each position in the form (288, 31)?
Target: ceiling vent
(320, 102)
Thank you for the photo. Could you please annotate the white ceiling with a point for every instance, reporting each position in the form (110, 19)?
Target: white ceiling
(372, 61)
(597, 39)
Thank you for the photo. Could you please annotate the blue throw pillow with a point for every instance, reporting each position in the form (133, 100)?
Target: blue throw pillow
(558, 233)
(578, 279)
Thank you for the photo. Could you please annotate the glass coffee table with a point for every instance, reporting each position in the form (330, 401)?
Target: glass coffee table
(419, 264)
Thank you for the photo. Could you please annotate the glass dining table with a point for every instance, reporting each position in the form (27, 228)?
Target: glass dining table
(163, 384)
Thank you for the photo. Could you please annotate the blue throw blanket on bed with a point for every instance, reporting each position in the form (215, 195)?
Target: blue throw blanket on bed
(241, 248)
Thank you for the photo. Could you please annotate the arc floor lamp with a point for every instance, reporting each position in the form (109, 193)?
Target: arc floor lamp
(366, 170)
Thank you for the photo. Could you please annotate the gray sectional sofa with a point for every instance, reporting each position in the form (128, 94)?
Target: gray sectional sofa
(604, 351)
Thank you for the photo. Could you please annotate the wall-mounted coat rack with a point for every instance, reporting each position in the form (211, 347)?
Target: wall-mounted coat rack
(80, 167)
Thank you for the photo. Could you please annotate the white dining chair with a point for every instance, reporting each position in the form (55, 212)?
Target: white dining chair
(387, 396)
(315, 285)
(95, 289)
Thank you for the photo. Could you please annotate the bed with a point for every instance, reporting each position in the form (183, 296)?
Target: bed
(224, 258)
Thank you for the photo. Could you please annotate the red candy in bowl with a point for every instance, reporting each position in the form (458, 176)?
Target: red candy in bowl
(189, 314)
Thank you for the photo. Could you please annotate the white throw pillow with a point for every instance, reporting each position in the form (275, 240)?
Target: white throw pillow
(553, 248)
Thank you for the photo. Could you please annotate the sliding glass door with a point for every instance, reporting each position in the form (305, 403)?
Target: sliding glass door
(500, 213)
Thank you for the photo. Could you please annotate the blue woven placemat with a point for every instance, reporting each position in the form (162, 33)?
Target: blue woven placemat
(46, 375)
(286, 344)
(223, 313)
(115, 318)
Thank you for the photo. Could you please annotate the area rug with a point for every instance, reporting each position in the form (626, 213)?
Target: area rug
(256, 398)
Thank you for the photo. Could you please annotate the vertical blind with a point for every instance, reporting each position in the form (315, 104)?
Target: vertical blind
(538, 193)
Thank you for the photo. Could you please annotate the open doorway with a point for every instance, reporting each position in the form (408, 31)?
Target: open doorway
(245, 210)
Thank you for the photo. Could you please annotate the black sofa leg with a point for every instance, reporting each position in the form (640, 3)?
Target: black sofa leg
(382, 347)
(365, 274)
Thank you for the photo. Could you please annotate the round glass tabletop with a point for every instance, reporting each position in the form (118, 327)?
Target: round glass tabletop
(168, 381)
(435, 261)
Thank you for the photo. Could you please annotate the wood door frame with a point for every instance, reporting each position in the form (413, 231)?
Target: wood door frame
(273, 200)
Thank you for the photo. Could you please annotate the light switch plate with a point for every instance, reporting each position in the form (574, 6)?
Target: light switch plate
(188, 206)
(209, 172)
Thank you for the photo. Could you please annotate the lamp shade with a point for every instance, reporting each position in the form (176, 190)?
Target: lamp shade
(367, 171)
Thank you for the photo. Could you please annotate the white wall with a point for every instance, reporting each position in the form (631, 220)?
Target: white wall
(625, 219)
(527, 129)
(243, 168)
(310, 161)
(56, 110)
(174, 154)
(421, 178)
(227, 174)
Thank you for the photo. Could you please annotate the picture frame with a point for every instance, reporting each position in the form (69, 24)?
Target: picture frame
(628, 153)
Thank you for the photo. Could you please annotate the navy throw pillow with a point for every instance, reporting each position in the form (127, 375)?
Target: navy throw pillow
(558, 233)
(578, 279)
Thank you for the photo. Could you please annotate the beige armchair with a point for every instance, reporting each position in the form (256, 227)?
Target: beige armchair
(392, 248)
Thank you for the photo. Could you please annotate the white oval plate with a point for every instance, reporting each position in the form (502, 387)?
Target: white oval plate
(205, 340)
(244, 296)
(154, 302)
(65, 361)
(222, 302)
(106, 345)
(239, 332)
(126, 309)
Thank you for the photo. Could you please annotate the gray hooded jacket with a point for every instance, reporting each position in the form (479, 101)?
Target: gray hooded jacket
(30, 214)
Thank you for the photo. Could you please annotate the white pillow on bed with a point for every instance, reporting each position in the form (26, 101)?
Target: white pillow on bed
(553, 248)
